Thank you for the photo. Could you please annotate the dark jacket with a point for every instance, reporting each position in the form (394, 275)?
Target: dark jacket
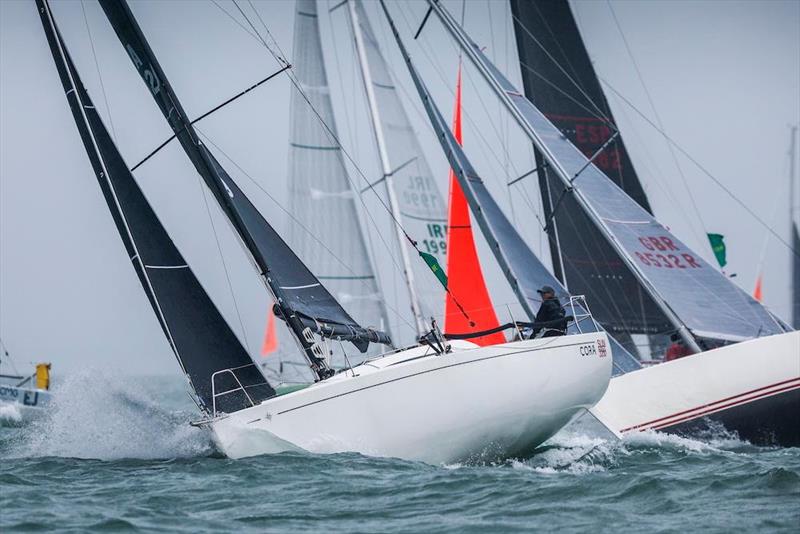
(552, 310)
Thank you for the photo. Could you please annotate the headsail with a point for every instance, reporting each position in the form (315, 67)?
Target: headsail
(464, 274)
(558, 77)
(691, 293)
(201, 339)
(523, 270)
(320, 191)
(419, 205)
(303, 301)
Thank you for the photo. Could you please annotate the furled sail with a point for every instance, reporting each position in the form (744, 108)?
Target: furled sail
(693, 294)
(464, 274)
(558, 77)
(320, 191)
(201, 339)
(408, 177)
(301, 299)
(523, 270)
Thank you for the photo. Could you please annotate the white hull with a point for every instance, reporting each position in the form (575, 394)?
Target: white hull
(726, 383)
(496, 401)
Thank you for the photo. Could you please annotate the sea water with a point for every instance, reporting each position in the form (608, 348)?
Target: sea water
(118, 454)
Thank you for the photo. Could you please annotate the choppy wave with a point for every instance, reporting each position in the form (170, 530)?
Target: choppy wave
(117, 453)
(96, 415)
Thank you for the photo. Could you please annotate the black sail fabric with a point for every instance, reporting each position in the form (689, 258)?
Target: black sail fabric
(304, 301)
(558, 77)
(523, 270)
(196, 331)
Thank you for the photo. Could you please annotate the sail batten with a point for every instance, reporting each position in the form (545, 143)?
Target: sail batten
(692, 294)
(202, 341)
(280, 268)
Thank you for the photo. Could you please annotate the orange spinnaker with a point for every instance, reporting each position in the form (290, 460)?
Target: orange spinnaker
(464, 276)
(270, 336)
(757, 291)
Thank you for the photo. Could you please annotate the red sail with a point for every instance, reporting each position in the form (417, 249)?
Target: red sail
(464, 276)
(270, 336)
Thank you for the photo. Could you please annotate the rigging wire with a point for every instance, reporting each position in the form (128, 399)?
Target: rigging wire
(656, 114)
(224, 264)
(700, 166)
(97, 66)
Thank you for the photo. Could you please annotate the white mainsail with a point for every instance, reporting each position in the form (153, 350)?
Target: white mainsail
(326, 232)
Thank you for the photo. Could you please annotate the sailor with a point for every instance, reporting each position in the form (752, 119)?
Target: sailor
(551, 311)
(677, 349)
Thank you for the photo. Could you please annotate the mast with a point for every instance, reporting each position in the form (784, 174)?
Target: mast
(377, 129)
(502, 93)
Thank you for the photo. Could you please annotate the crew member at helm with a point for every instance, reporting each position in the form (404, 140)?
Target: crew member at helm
(551, 312)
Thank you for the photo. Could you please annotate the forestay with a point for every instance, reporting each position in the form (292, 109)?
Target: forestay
(523, 270)
(703, 299)
(421, 206)
(328, 237)
(302, 299)
(559, 79)
(201, 339)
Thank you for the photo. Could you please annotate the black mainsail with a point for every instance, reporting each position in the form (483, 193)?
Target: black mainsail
(198, 334)
(303, 302)
(523, 270)
(558, 77)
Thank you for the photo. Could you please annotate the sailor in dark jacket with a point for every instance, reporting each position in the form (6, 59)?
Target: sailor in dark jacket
(551, 311)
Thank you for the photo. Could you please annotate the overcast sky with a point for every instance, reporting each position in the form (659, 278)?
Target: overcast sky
(724, 77)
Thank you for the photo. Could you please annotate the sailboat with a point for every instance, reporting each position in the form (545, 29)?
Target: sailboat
(439, 401)
(22, 397)
(744, 371)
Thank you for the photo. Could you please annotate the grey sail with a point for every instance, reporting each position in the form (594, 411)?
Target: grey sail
(198, 334)
(301, 300)
(559, 79)
(694, 295)
(420, 205)
(523, 270)
(322, 198)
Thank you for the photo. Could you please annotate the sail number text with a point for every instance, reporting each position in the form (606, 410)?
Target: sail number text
(662, 252)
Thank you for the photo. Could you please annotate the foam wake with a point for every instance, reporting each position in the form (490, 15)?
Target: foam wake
(100, 416)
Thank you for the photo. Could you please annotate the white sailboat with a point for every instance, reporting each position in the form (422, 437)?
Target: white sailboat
(440, 401)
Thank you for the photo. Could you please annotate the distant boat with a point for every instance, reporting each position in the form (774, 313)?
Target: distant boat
(438, 401)
(23, 397)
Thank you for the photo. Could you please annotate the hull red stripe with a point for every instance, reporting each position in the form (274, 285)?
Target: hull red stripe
(699, 411)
